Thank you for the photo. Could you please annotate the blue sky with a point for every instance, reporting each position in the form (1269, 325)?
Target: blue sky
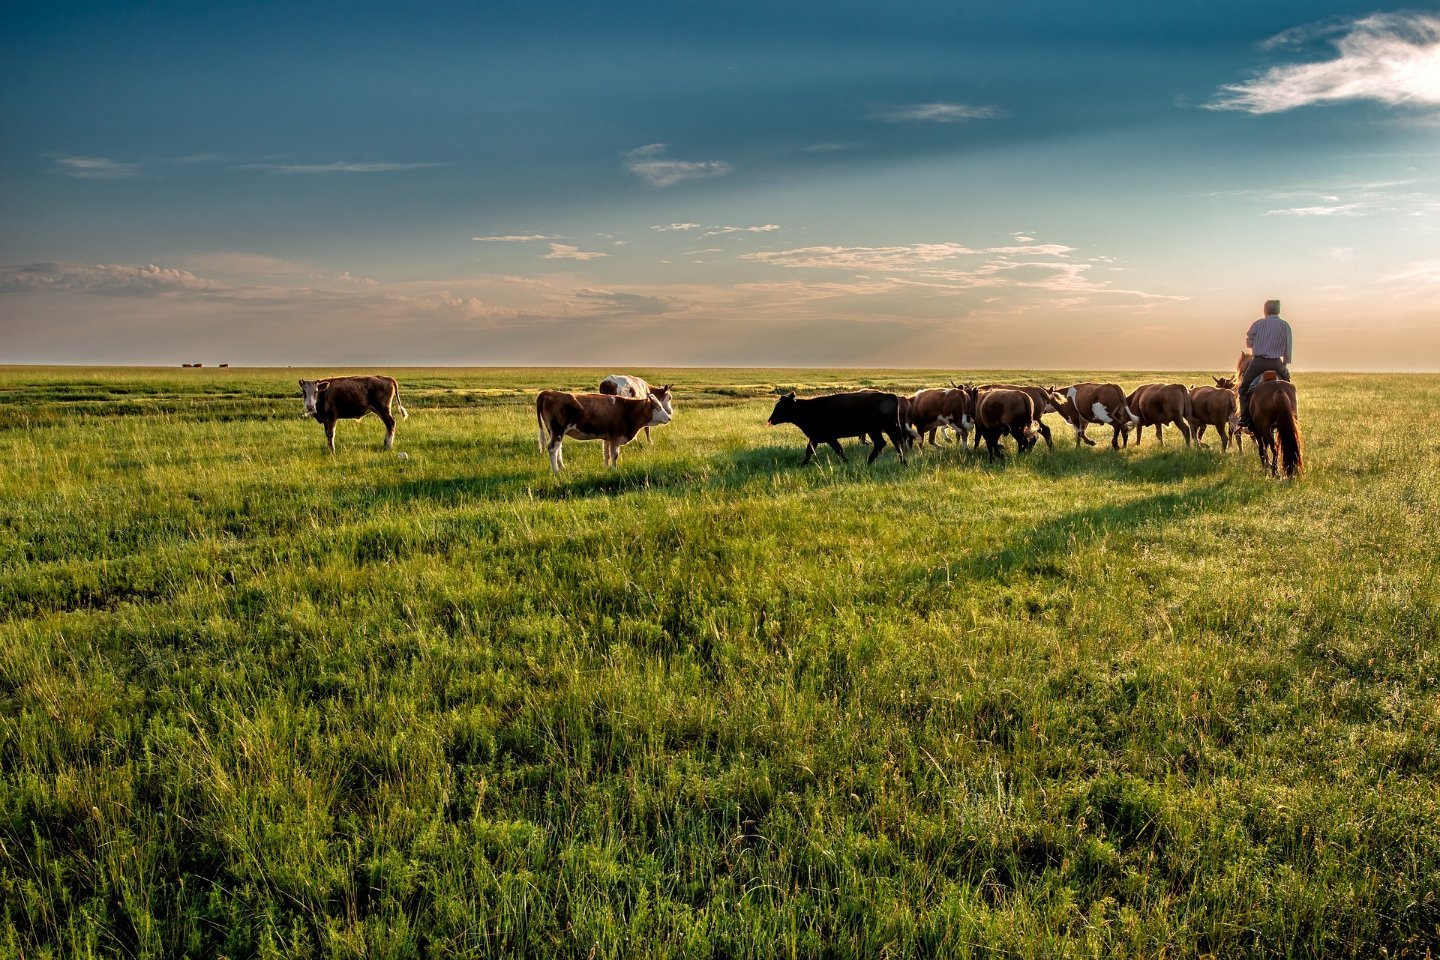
(1029, 185)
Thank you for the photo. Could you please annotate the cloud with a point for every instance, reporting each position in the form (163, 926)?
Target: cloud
(728, 231)
(902, 258)
(936, 113)
(102, 279)
(340, 166)
(563, 251)
(664, 228)
(516, 238)
(649, 164)
(627, 304)
(97, 168)
(1388, 58)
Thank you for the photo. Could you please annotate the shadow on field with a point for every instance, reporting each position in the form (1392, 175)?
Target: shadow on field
(1042, 549)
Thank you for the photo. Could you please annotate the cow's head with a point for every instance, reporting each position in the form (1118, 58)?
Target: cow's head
(1224, 383)
(659, 411)
(311, 390)
(664, 398)
(784, 410)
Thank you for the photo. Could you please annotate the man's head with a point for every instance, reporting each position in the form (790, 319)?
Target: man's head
(1272, 308)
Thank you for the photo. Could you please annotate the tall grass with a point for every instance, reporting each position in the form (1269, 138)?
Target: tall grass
(258, 701)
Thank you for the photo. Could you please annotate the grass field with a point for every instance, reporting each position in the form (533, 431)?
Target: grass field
(256, 701)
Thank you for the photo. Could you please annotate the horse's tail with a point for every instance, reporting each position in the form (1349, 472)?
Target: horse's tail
(1292, 455)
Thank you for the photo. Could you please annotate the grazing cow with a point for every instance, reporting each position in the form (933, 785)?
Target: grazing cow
(1002, 411)
(1217, 407)
(620, 385)
(593, 416)
(1041, 397)
(350, 398)
(933, 409)
(1086, 403)
(829, 419)
(1156, 404)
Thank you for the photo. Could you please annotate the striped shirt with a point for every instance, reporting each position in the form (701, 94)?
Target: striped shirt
(1270, 337)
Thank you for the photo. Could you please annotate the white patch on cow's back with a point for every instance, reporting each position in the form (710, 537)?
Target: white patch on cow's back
(1072, 393)
(1100, 414)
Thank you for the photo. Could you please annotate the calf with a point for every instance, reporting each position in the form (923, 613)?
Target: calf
(1156, 404)
(1086, 403)
(831, 418)
(1002, 411)
(593, 416)
(1217, 407)
(620, 385)
(350, 398)
(1041, 397)
(934, 409)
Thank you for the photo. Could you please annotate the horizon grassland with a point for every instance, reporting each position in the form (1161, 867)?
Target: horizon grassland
(256, 700)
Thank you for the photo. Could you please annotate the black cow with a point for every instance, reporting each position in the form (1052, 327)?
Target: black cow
(830, 419)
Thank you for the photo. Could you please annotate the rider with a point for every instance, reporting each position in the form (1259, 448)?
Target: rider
(1270, 342)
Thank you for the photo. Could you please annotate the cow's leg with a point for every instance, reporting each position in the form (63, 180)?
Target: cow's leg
(1140, 433)
(557, 460)
(389, 422)
(647, 434)
(809, 452)
(1198, 431)
(1044, 432)
(900, 448)
(992, 445)
(1184, 429)
(1159, 434)
(839, 450)
(1115, 437)
(330, 434)
(878, 439)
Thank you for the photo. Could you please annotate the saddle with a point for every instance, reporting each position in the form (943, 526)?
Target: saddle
(1269, 375)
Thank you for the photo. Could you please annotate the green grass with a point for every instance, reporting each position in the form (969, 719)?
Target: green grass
(256, 701)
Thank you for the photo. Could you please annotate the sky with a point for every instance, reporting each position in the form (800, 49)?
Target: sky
(1109, 185)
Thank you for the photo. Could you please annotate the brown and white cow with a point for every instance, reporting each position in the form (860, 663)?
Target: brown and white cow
(623, 385)
(936, 408)
(1156, 404)
(1217, 407)
(350, 398)
(1041, 397)
(593, 416)
(1082, 404)
(998, 412)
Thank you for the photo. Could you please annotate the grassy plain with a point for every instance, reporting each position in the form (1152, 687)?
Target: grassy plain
(255, 701)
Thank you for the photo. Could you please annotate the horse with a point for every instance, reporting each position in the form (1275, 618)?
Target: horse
(1274, 422)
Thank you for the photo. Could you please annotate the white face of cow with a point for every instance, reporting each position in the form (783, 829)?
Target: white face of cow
(311, 390)
(666, 401)
(659, 412)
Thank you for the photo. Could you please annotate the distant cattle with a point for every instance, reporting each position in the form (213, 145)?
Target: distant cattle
(1156, 404)
(829, 419)
(1217, 407)
(350, 398)
(934, 409)
(620, 385)
(593, 416)
(1003, 411)
(1085, 403)
(1041, 397)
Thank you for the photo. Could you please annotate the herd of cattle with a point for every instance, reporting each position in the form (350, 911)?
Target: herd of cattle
(625, 405)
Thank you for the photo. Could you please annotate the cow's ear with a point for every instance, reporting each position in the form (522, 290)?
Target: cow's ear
(302, 384)
(322, 386)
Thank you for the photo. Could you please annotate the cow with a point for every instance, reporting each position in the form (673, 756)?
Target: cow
(831, 418)
(593, 416)
(1085, 403)
(350, 398)
(936, 408)
(1002, 411)
(1217, 407)
(1156, 404)
(620, 385)
(1041, 397)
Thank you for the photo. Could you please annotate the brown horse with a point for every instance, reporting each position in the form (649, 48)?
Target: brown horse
(1275, 424)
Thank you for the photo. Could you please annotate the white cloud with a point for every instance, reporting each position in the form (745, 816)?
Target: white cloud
(516, 238)
(664, 228)
(97, 168)
(563, 251)
(935, 113)
(727, 231)
(1389, 58)
(102, 279)
(340, 166)
(650, 165)
(861, 258)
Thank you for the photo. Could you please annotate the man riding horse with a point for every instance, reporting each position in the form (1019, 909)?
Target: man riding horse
(1270, 343)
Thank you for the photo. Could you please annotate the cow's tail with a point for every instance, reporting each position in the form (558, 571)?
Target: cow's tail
(395, 395)
(1292, 453)
(540, 423)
